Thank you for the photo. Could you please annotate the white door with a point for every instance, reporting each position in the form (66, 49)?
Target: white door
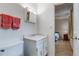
(76, 29)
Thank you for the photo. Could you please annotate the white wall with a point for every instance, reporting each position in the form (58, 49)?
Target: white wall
(61, 26)
(25, 28)
(46, 23)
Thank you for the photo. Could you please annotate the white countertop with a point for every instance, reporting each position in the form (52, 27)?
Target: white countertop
(34, 37)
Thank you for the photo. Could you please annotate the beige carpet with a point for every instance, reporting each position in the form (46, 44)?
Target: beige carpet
(63, 48)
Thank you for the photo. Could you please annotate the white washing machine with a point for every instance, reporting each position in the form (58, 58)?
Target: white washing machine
(11, 48)
(35, 45)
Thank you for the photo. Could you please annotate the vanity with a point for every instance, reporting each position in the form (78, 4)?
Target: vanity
(35, 45)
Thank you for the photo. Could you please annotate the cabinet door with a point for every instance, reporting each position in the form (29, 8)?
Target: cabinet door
(30, 48)
(39, 48)
(45, 46)
(32, 17)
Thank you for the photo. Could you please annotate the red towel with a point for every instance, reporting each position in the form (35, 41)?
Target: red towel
(6, 21)
(16, 23)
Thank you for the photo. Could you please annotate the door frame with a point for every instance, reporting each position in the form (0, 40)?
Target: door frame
(72, 15)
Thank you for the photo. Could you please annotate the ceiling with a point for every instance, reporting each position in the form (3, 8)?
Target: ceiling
(64, 6)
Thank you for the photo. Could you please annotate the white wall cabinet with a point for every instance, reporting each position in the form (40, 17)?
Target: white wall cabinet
(31, 17)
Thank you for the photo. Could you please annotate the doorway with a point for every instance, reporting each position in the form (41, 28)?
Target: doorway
(64, 29)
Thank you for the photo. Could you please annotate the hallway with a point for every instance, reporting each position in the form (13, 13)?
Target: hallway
(63, 48)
